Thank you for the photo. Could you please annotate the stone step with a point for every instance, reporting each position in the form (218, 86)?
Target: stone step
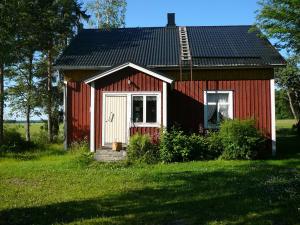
(108, 155)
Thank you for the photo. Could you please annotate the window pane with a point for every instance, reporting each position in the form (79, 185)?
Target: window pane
(137, 108)
(151, 109)
(223, 112)
(212, 115)
(217, 97)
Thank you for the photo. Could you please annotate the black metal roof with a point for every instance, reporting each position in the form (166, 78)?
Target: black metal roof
(210, 46)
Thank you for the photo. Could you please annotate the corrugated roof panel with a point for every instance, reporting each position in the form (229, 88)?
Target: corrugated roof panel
(160, 46)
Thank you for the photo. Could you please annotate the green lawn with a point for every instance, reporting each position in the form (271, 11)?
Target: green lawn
(55, 188)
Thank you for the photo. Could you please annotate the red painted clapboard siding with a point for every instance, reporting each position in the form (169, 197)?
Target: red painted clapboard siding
(152, 131)
(251, 99)
(119, 82)
(78, 114)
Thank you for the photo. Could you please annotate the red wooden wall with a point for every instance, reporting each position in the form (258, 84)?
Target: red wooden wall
(78, 111)
(251, 99)
(119, 82)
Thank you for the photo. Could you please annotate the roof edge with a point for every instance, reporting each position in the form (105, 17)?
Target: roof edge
(173, 66)
(132, 65)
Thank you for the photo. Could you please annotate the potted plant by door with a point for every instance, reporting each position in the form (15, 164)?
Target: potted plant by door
(116, 146)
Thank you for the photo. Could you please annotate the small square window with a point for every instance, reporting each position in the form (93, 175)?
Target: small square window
(145, 109)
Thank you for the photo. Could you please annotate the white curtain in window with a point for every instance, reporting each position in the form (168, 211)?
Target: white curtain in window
(217, 98)
(223, 98)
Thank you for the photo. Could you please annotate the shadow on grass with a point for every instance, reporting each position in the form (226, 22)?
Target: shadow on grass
(251, 195)
(36, 152)
(288, 144)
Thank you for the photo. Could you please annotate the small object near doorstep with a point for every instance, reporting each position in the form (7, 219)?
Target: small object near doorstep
(116, 146)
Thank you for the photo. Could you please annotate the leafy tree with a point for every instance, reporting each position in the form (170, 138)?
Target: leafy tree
(57, 94)
(288, 79)
(9, 18)
(280, 19)
(23, 94)
(283, 110)
(59, 21)
(107, 13)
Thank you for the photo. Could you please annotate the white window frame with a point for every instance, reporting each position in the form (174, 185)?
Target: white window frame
(230, 108)
(158, 110)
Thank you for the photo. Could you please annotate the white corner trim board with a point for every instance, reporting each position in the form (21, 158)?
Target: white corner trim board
(92, 120)
(165, 122)
(132, 65)
(65, 114)
(273, 119)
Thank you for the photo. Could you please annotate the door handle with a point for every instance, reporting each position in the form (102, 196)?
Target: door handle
(111, 117)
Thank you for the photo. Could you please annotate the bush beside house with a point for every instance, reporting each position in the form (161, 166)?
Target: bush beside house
(236, 139)
(240, 139)
(142, 149)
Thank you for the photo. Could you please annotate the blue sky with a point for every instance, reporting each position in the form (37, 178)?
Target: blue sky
(147, 13)
(191, 12)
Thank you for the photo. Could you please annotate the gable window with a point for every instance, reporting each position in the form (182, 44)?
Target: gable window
(217, 107)
(145, 110)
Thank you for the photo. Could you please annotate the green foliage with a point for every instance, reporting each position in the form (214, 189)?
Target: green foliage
(9, 17)
(83, 156)
(214, 145)
(240, 139)
(173, 145)
(107, 14)
(280, 20)
(176, 146)
(80, 146)
(288, 80)
(141, 149)
(23, 94)
(14, 142)
(39, 30)
(283, 110)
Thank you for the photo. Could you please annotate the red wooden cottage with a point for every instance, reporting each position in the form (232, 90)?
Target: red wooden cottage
(127, 80)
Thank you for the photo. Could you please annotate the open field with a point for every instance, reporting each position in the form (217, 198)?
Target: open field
(20, 127)
(55, 187)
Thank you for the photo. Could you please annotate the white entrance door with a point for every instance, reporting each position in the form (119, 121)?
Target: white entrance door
(115, 119)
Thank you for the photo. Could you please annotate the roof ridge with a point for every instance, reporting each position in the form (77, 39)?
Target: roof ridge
(163, 27)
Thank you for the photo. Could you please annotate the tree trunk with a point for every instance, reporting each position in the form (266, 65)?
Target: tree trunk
(298, 103)
(49, 89)
(291, 104)
(1, 101)
(27, 126)
(29, 98)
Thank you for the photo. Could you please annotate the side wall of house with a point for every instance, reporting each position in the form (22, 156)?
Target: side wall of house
(118, 82)
(78, 111)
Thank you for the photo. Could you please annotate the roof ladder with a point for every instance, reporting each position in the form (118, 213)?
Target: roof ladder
(185, 53)
(184, 44)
